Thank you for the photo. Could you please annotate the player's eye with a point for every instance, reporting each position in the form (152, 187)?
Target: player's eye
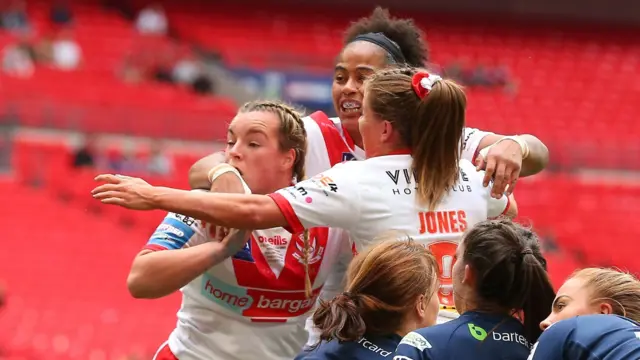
(254, 144)
(559, 306)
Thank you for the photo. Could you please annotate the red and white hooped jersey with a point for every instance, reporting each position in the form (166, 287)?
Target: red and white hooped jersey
(252, 305)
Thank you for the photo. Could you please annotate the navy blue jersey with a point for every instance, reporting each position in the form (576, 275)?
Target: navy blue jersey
(590, 337)
(369, 347)
(473, 335)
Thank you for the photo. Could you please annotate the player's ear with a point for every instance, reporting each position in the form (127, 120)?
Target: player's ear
(605, 308)
(288, 159)
(421, 305)
(469, 276)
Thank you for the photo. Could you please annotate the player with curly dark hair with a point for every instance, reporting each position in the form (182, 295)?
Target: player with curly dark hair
(403, 32)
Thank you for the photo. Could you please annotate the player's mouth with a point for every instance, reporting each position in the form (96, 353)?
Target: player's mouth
(351, 107)
(236, 167)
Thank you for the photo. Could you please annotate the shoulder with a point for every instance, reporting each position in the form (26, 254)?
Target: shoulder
(593, 327)
(427, 341)
(336, 350)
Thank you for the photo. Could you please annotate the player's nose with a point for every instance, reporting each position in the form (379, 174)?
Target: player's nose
(544, 324)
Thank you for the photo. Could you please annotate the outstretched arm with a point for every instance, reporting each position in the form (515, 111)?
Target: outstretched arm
(236, 211)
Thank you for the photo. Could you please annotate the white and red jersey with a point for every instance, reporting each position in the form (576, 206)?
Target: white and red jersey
(252, 305)
(328, 143)
(370, 197)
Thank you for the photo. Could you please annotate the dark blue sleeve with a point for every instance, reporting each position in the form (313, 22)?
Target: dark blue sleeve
(413, 347)
(558, 343)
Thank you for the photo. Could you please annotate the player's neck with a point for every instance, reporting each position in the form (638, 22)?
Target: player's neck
(281, 182)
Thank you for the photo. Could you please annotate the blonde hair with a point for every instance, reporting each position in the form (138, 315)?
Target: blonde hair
(292, 135)
(619, 289)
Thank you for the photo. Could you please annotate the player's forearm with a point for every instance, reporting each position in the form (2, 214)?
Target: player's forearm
(160, 273)
(538, 156)
(229, 210)
(199, 172)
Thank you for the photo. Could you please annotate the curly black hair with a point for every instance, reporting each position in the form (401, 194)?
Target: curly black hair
(403, 31)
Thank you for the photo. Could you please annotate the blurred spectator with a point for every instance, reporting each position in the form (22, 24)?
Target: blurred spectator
(152, 20)
(202, 85)
(123, 161)
(18, 60)
(14, 17)
(84, 156)
(44, 50)
(186, 70)
(159, 162)
(61, 13)
(67, 54)
(131, 72)
(163, 68)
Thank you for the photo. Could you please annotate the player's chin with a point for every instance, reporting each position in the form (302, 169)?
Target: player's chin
(349, 117)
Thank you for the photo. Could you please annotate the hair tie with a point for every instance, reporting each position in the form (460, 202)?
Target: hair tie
(527, 252)
(423, 82)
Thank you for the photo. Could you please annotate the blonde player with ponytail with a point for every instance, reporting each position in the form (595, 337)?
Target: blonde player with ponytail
(246, 294)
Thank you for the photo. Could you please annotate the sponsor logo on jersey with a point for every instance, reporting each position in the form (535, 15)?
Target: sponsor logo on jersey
(511, 337)
(275, 240)
(185, 219)
(172, 233)
(315, 250)
(274, 249)
(325, 183)
(231, 297)
(477, 332)
(167, 228)
(416, 340)
(258, 304)
(373, 347)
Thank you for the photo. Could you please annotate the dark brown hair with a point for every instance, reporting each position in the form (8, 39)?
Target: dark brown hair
(510, 272)
(431, 127)
(404, 32)
(383, 284)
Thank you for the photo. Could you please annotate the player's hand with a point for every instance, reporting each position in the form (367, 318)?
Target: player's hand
(503, 163)
(129, 192)
(235, 241)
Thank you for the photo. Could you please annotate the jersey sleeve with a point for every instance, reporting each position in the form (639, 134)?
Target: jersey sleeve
(176, 232)
(470, 141)
(496, 207)
(329, 199)
(556, 343)
(413, 347)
